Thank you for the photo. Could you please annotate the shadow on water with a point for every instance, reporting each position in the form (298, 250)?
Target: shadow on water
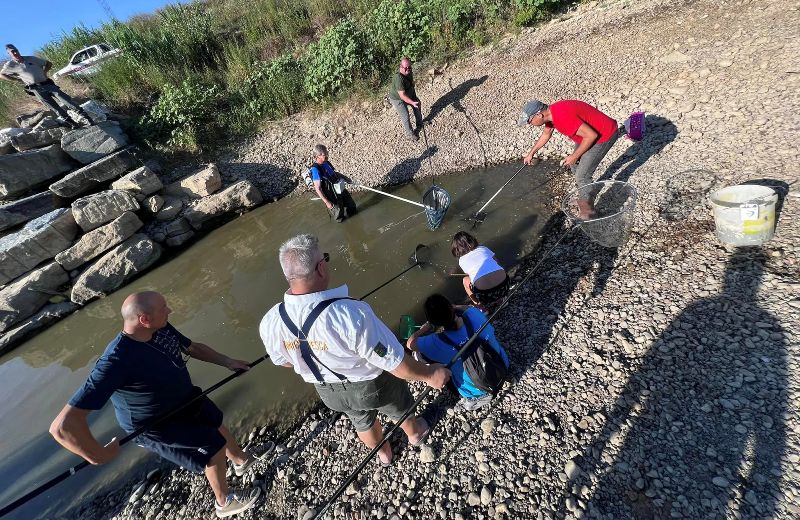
(659, 133)
(454, 97)
(711, 392)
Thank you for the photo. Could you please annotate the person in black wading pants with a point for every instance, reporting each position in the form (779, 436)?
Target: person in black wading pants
(143, 372)
(32, 72)
(329, 185)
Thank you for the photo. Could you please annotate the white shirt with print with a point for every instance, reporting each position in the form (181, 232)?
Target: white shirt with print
(347, 337)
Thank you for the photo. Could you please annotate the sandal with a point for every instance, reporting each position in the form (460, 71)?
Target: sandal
(391, 459)
(423, 435)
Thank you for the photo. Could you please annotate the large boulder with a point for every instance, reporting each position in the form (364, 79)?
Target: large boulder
(27, 294)
(26, 209)
(170, 207)
(23, 329)
(96, 241)
(41, 239)
(31, 119)
(30, 140)
(20, 172)
(95, 210)
(141, 181)
(116, 267)
(87, 145)
(93, 175)
(240, 195)
(200, 184)
(6, 134)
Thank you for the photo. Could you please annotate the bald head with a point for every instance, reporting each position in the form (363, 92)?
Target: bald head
(405, 66)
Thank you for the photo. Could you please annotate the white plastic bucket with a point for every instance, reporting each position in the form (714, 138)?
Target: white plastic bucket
(745, 214)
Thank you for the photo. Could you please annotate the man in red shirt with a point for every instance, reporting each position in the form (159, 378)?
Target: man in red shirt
(593, 132)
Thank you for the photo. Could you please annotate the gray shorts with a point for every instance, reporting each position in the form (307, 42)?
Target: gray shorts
(362, 400)
(587, 164)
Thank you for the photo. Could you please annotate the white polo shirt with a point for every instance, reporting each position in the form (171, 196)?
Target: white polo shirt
(347, 337)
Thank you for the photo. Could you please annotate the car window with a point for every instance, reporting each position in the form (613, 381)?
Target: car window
(79, 57)
(91, 52)
(104, 47)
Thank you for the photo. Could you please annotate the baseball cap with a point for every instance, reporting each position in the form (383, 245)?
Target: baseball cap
(530, 108)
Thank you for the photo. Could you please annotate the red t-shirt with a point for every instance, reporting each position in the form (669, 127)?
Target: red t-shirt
(570, 114)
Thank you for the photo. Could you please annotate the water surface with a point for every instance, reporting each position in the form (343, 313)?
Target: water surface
(220, 288)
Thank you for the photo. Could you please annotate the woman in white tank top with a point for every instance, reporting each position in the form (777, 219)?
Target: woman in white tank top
(486, 282)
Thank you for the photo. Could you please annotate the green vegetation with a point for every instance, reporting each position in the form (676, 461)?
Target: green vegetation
(193, 72)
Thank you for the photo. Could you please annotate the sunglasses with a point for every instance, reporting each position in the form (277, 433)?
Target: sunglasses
(325, 258)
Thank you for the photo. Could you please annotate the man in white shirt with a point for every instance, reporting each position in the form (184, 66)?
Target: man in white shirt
(31, 71)
(338, 344)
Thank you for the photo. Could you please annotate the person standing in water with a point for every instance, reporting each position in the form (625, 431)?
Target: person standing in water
(330, 186)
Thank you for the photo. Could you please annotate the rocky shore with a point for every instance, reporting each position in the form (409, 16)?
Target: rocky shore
(653, 381)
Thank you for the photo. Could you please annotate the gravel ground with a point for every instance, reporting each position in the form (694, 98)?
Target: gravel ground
(658, 380)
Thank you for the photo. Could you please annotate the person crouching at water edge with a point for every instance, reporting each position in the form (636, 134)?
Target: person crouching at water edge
(486, 282)
(339, 345)
(143, 372)
(330, 186)
(474, 382)
(592, 131)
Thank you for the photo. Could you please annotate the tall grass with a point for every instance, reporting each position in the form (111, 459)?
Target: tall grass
(230, 64)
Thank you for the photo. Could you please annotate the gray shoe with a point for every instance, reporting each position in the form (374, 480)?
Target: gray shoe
(238, 500)
(254, 454)
(476, 403)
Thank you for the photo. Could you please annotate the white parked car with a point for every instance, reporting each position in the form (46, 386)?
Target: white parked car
(88, 60)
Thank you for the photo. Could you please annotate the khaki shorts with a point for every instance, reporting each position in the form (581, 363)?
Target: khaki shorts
(361, 401)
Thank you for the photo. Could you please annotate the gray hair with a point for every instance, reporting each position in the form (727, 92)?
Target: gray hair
(319, 150)
(299, 256)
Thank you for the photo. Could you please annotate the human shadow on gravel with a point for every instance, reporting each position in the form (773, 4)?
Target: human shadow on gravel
(405, 171)
(710, 396)
(454, 97)
(659, 132)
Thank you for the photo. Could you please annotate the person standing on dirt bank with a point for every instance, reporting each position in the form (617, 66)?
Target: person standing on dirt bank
(402, 95)
(32, 72)
(593, 132)
(143, 372)
(329, 185)
(339, 345)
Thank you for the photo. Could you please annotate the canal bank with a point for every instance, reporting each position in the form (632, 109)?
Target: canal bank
(660, 380)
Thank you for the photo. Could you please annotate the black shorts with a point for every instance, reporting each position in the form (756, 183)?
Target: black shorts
(190, 440)
(491, 295)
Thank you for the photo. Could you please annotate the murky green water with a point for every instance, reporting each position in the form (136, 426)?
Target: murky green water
(221, 287)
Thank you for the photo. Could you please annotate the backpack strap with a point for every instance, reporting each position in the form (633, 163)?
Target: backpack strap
(306, 353)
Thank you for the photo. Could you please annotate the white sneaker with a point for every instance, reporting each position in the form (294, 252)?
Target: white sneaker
(238, 500)
(254, 454)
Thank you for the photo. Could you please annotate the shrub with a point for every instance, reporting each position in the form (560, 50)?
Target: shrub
(341, 57)
(182, 116)
(400, 28)
(271, 91)
(531, 12)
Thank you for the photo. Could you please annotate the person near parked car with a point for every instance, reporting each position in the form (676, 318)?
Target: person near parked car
(32, 72)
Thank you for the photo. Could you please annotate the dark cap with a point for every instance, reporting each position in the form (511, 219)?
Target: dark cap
(529, 109)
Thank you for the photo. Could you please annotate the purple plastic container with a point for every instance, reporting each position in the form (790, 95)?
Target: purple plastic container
(634, 126)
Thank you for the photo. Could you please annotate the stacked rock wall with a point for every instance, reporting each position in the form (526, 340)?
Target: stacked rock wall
(80, 216)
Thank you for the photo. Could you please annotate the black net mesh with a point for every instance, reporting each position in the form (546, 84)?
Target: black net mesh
(437, 202)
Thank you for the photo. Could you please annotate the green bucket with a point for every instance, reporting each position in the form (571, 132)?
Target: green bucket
(407, 326)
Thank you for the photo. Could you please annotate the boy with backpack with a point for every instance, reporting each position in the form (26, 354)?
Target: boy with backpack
(479, 373)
